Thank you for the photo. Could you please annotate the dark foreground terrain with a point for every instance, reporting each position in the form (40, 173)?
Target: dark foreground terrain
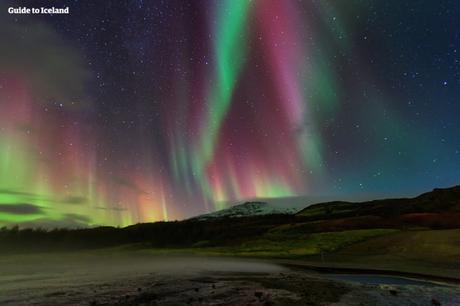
(252, 260)
(319, 228)
(106, 277)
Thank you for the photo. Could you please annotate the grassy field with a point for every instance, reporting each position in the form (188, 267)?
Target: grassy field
(276, 244)
(435, 252)
(432, 252)
(420, 235)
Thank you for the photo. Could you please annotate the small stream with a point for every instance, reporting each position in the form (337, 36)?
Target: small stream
(376, 279)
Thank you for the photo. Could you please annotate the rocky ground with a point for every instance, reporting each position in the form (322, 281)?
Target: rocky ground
(196, 281)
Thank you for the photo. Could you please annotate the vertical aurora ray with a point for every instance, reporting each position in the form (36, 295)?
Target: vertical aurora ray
(48, 166)
(289, 58)
(201, 168)
(332, 17)
(204, 169)
(194, 105)
(21, 178)
(230, 51)
(222, 175)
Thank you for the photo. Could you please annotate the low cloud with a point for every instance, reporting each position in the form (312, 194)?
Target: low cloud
(24, 196)
(76, 200)
(76, 219)
(20, 209)
(46, 223)
(69, 221)
(16, 192)
(53, 68)
(122, 181)
(111, 208)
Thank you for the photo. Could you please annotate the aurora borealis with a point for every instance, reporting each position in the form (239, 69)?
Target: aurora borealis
(160, 110)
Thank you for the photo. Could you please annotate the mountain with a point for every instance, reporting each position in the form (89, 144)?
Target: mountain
(259, 225)
(255, 208)
(438, 201)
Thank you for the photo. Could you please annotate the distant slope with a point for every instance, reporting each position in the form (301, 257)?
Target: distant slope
(260, 229)
(246, 209)
(435, 252)
(446, 200)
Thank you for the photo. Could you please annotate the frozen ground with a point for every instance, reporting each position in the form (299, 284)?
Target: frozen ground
(137, 278)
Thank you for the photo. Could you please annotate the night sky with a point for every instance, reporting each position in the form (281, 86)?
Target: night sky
(136, 111)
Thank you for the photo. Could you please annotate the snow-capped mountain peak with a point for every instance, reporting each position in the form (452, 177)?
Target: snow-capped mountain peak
(255, 208)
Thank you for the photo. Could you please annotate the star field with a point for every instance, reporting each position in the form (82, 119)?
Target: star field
(125, 112)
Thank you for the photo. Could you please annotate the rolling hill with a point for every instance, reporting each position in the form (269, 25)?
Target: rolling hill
(438, 201)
